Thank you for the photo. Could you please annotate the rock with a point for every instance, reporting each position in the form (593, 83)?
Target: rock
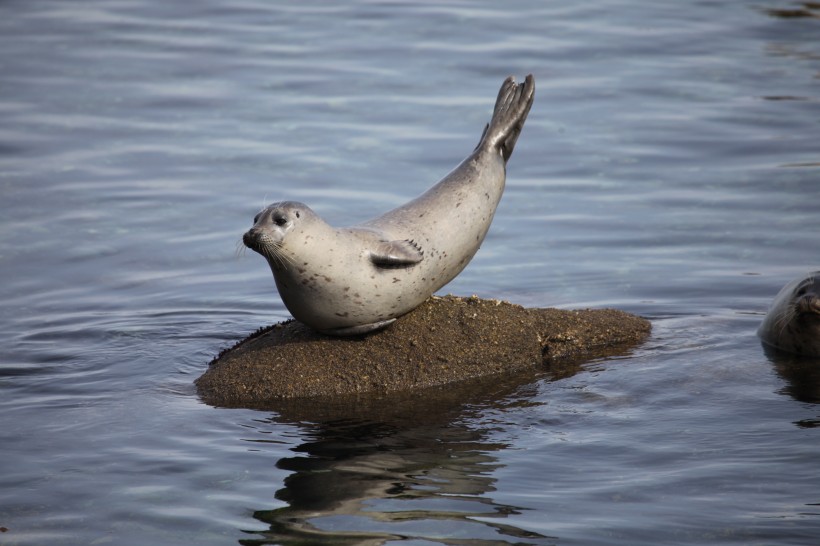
(445, 340)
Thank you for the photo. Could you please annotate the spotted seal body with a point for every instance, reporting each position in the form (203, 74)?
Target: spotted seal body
(352, 280)
(793, 321)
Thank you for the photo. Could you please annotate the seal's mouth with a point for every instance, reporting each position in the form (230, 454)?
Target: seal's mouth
(260, 241)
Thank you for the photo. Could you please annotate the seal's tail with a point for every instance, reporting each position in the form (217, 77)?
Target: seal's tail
(511, 109)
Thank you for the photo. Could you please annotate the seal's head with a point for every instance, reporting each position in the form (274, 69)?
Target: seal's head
(793, 321)
(273, 225)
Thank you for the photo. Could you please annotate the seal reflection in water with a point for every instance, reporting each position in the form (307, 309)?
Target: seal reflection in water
(793, 321)
(352, 280)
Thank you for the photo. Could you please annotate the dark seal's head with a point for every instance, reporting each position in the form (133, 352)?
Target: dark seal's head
(793, 321)
(273, 225)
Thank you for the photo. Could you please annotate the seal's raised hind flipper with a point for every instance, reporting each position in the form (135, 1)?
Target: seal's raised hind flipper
(396, 254)
(511, 109)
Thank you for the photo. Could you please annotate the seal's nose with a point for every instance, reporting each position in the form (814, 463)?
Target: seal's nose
(250, 238)
(809, 303)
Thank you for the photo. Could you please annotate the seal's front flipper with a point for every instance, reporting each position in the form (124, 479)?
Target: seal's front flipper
(396, 254)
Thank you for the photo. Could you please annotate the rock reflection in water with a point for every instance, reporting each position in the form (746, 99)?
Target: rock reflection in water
(404, 468)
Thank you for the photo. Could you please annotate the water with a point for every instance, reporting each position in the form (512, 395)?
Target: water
(669, 167)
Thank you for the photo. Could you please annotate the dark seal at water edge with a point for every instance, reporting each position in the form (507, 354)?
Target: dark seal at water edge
(445, 340)
(792, 323)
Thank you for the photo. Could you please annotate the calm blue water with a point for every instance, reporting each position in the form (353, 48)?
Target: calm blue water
(670, 167)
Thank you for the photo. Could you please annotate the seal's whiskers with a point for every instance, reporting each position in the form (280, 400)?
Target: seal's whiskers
(278, 256)
(240, 249)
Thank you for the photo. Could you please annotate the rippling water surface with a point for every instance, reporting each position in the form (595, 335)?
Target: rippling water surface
(670, 167)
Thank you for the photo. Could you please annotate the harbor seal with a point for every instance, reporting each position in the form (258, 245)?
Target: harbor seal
(793, 321)
(353, 280)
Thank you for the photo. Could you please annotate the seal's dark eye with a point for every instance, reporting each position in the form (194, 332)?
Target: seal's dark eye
(280, 220)
(256, 218)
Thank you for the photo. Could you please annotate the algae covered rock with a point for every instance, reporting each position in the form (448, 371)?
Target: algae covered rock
(445, 340)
